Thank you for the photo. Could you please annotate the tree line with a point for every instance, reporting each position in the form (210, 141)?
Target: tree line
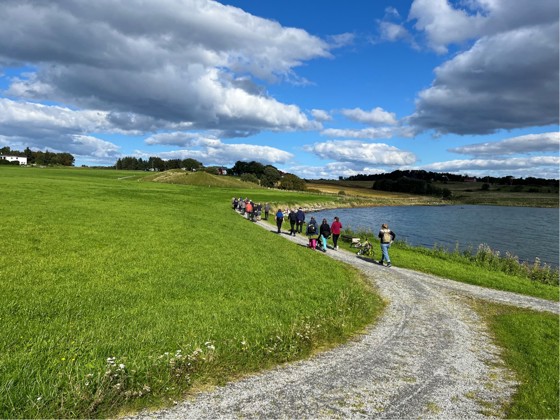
(155, 163)
(256, 172)
(448, 177)
(45, 158)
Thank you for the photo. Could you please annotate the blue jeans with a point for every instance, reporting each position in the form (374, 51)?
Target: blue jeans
(385, 252)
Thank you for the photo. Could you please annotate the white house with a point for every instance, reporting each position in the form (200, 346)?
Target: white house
(21, 160)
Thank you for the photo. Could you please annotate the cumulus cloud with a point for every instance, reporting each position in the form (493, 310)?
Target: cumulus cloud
(546, 166)
(332, 170)
(211, 150)
(193, 70)
(369, 133)
(55, 128)
(508, 79)
(530, 143)
(321, 115)
(361, 153)
(375, 116)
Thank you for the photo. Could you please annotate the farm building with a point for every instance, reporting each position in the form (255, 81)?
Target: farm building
(21, 160)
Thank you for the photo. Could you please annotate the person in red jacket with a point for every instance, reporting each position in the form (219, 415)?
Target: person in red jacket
(336, 227)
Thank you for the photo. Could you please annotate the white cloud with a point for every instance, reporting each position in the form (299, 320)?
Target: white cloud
(508, 79)
(193, 70)
(361, 153)
(332, 170)
(369, 133)
(321, 115)
(375, 116)
(544, 166)
(530, 143)
(210, 150)
(443, 23)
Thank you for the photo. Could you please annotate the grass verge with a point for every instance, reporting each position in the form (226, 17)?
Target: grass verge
(530, 343)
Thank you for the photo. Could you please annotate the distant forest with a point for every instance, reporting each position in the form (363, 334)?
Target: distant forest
(447, 177)
(38, 158)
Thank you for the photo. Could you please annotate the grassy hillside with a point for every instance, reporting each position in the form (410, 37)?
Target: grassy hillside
(119, 294)
(201, 179)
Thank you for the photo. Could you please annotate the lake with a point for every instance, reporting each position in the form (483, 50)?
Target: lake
(527, 232)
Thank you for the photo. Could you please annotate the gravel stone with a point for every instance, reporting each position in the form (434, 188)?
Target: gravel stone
(428, 356)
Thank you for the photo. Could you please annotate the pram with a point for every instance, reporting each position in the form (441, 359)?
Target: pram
(365, 248)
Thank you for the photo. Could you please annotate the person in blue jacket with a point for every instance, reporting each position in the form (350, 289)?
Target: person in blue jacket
(279, 219)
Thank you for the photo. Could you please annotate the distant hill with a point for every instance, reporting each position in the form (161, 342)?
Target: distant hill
(200, 178)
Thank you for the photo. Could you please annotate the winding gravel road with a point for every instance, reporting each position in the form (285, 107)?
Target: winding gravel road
(429, 356)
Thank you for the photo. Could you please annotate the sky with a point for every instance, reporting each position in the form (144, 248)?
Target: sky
(320, 89)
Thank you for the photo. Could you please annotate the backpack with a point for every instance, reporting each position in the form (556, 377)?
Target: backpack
(311, 229)
(386, 237)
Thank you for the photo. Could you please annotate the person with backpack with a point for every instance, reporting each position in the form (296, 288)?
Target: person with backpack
(386, 237)
(279, 219)
(311, 231)
(324, 233)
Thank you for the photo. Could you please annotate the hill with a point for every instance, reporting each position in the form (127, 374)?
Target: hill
(200, 179)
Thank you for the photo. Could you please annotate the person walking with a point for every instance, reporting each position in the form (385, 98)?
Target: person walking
(311, 231)
(386, 236)
(266, 210)
(336, 227)
(279, 219)
(300, 215)
(292, 218)
(324, 233)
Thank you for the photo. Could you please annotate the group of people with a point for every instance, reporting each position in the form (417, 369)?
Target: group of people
(249, 209)
(317, 234)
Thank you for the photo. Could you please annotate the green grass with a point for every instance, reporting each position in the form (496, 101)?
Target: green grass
(530, 348)
(456, 267)
(118, 294)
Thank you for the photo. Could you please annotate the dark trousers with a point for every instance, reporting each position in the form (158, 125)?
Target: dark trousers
(279, 224)
(300, 226)
(335, 239)
(292, 228)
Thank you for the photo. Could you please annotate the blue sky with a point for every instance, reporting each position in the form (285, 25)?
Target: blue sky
(320, 89)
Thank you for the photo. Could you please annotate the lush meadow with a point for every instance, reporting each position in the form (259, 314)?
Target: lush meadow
(119, 294)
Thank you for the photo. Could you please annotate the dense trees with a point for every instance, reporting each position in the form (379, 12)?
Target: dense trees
(447, 177)
(45, 158)
(411, 186)
(155, 163)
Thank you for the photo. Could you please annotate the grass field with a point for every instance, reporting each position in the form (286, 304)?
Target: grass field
(119, 294)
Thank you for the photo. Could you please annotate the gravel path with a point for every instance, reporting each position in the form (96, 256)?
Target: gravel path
(429, 356)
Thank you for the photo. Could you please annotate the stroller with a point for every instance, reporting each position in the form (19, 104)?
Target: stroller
(365, 248)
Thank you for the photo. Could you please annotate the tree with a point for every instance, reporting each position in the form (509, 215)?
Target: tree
(250, 178)
(270, 176)
(156, 163)
(292, 182)
(191, 164)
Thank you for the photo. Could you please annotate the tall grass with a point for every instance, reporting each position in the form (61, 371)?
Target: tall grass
(118, 294)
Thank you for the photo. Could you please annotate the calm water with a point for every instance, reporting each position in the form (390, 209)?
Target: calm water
(527, 232)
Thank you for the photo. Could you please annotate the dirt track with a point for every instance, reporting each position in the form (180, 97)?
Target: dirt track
(429, 356)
